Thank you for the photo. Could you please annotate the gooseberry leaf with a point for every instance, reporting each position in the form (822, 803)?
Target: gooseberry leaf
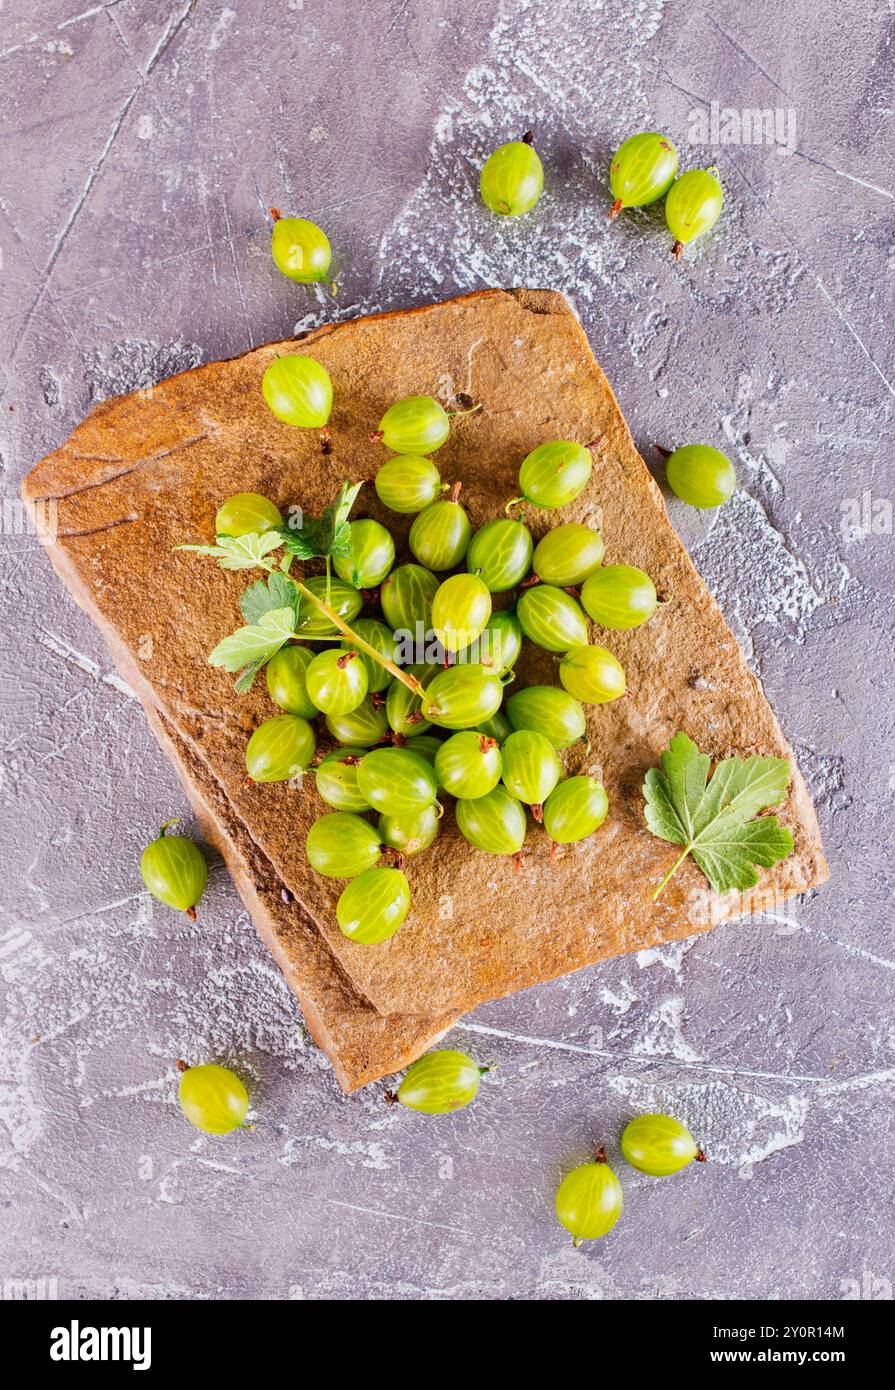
(266, 595)
(245, 680)
(251, 647)
(713, 819)
(329, 534)
(239, 552)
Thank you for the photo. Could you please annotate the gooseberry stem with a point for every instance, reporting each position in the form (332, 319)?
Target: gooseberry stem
(673, 870)
(471, 410)
(413, 685)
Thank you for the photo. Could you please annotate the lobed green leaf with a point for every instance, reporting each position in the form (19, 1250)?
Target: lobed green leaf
(255, 643)
(266, 595)
(239, 552)
(329, 534)
(713, 818)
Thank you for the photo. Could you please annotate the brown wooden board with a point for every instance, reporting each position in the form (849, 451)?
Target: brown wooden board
(147, 471)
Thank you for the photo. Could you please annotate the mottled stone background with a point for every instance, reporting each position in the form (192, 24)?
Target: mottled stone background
(140, 142)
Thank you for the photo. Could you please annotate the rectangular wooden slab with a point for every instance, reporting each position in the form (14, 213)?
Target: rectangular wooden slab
(147, 471)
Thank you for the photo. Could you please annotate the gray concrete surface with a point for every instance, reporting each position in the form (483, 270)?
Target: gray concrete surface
(140, 141)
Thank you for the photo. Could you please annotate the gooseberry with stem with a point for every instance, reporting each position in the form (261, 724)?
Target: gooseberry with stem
(554, 474)
(659, 1145)
(693, 206)
(299, 248)
(642, 171)
(589, 1200)
(512, 178)
(174, 870)
(440, 1083)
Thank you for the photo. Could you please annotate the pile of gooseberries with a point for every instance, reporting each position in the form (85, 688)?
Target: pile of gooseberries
(444, 726)
(443, 729)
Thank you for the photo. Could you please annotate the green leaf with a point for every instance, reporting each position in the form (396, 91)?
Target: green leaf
(713, 819)
(341, 541)
(341, 508)
(255, 644)
(729, 851)
(239, 552)
(267, 594)
(329, 534)
(305, 544)
(246, 677)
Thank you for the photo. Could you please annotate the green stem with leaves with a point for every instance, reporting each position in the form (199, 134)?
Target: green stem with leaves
(317, 538)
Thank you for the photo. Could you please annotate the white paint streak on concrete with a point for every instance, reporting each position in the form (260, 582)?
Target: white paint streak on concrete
(64, 649)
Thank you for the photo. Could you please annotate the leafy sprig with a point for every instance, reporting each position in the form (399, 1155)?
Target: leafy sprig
(272, 606)
(713, 819)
